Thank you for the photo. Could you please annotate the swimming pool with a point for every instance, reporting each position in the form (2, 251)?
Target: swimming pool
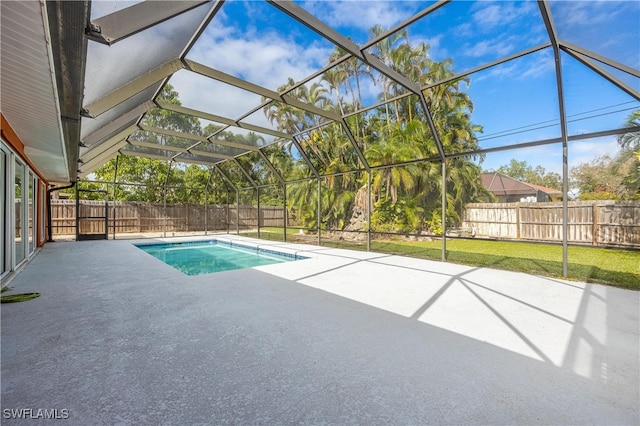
(205, 257)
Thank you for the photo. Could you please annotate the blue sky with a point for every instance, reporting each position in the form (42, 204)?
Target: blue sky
(518, 100)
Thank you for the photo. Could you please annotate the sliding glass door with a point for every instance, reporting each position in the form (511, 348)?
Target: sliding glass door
(31, 213)
(19, 210)
(19, 197)
(5, 212)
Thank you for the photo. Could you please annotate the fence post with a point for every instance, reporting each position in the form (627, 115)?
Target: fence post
(444, 211)
(518, 223)
(594, 214)
(258, 202)
(115, 194)
(285, 212)
(186, 215)
(77, 213)
(164, 197)
(164, 210)
(319, 207)
(206, 213)
(369, 210)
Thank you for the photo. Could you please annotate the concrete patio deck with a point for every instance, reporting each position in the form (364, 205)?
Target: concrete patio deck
(344, 337)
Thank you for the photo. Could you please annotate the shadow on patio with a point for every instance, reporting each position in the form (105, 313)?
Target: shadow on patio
(118, 336)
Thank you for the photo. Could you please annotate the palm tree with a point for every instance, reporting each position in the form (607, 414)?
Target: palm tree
(335, 78)
(628, 159)
(394, 133)
(631, 140)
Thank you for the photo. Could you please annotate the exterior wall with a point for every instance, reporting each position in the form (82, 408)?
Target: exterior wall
(540, 197)
(11, 139)
(32, 232)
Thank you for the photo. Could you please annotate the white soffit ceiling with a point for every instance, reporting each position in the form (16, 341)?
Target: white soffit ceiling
(29, 98)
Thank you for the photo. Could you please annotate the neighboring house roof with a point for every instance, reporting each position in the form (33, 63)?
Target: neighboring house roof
(549, 191)
(501, 184)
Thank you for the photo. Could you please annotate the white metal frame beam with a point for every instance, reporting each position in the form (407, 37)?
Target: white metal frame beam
(133, 87)
(219, 119)
(124, 23)
(304, 17)
(254, 88)
(117, 125)
(98, 160)
(587, 58)
(124, 134)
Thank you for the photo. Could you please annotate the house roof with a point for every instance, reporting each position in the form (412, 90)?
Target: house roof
(549, 191)
(501, 184)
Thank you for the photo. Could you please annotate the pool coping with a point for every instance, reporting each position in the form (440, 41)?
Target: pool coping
(279, 248)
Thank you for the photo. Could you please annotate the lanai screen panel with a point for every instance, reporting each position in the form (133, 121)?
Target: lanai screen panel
(356, 19)
(258, 169)
(609, 29)
(593, 103)
(357, 74)
(90, 125)
(522, 105)
(255, 42)
(288, 160)
(111, 67)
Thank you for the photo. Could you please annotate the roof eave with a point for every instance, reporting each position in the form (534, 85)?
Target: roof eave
(67, 23)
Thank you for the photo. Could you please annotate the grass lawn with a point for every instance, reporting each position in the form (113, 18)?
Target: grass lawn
(616, 267)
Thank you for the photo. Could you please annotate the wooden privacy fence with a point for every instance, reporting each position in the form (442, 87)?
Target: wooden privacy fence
(606, 223)
(131, 217)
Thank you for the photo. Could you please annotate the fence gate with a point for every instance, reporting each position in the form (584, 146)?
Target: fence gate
(92, 219)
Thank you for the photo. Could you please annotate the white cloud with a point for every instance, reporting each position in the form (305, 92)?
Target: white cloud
(497, 47)
(547, 156)
(550, 156)
(536, 66)
(543, 66)
(586, 150)
(609, 28)
(488, 17)
(210, 96)
(359, 14)
(586, 13)
(502, 71)
(267, 60)
(501, 14)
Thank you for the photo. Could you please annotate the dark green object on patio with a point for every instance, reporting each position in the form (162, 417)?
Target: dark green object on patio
(20, 297)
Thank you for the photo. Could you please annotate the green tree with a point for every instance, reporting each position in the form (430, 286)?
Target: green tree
(538, 175)
(631, 139)
(597, 179)
(146, 175)
(627, 162)
(196, 180)
(150, 175)
(404, 197)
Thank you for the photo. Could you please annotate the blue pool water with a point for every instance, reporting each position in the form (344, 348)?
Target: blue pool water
(205, 257)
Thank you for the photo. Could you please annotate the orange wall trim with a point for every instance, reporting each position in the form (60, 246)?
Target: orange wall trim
(10, 137)
(14, 141)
